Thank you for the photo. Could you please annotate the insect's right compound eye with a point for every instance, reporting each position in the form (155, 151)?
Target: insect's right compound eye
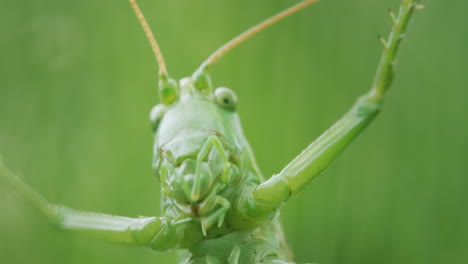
(226, 98)
(156, 115)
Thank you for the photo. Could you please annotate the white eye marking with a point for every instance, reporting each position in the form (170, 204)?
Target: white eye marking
(226, 98)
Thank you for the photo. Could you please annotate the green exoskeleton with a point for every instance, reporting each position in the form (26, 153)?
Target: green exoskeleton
(217, 207)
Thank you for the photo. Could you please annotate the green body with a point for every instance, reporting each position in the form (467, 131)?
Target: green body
(217, 208)
(182, 133)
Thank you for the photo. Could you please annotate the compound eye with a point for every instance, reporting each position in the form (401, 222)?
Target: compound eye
(226, 98)
(156, 115)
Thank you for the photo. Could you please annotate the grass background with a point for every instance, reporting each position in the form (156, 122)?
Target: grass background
(77, 80)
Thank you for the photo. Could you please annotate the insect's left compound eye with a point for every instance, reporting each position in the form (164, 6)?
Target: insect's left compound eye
(156, 115)
(226, 98)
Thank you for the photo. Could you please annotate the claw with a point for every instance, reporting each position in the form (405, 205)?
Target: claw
(392, 16)
(221, 220)
(383, 41)
(195, 193)
(203, 224)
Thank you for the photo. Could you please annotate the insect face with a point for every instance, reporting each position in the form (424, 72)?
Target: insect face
(195, 147)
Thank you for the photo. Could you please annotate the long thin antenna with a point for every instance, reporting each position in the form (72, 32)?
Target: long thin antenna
(252, 31)
(150, 36)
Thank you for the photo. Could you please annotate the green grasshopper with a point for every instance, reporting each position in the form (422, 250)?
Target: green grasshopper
(217, 207)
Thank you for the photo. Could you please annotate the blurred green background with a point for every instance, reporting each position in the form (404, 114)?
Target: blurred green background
(78, 78)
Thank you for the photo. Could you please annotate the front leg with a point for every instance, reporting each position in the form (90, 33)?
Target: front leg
(158, 233)
(264, 200)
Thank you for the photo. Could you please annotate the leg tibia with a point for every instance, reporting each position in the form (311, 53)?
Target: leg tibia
(37, 201)
(270, 195)
(154, 232)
